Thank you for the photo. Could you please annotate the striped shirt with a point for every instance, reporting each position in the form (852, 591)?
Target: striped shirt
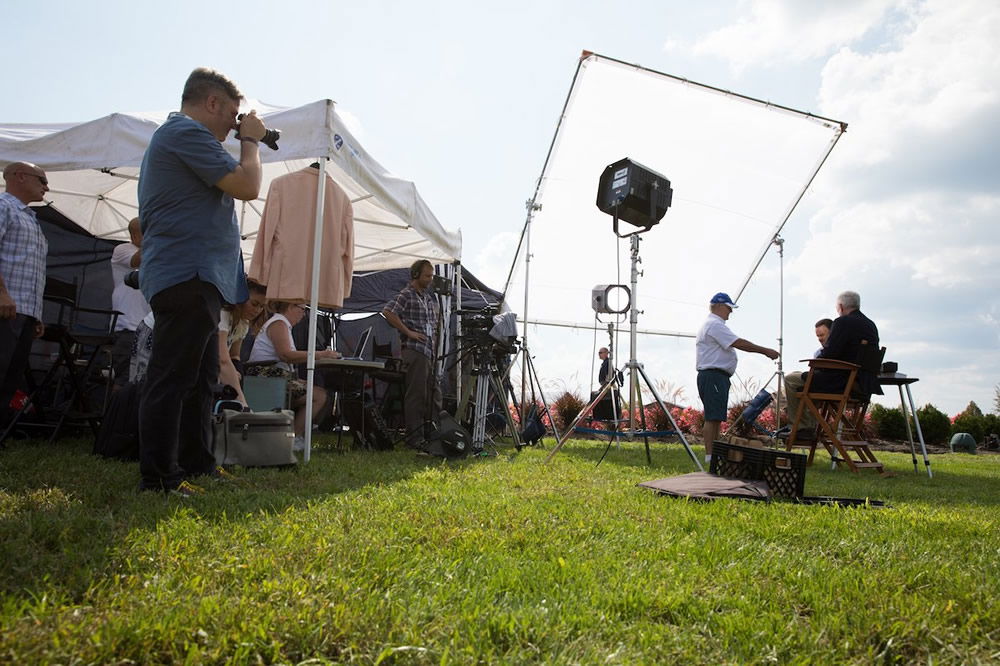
(23, 250)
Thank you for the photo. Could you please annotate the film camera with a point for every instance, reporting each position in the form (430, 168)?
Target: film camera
(488, 330)
(271, 136)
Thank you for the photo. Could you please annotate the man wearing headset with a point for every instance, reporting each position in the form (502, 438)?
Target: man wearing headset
(414, 313)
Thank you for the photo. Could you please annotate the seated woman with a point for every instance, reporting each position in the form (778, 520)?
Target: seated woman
(273, 345)
(234, 323)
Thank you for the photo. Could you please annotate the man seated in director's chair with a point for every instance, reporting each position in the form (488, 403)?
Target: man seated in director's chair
(828, 403)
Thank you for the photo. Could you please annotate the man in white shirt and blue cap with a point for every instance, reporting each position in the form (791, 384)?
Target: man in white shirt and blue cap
(716, 347)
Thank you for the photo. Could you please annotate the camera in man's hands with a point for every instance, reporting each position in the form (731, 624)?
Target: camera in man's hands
(271, 136)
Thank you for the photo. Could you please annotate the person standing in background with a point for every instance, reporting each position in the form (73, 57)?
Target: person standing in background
(127, 300)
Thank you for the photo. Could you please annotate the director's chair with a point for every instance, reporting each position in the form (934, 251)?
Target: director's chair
(840, 416)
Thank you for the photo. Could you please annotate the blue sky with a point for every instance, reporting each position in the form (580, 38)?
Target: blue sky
(463, 99)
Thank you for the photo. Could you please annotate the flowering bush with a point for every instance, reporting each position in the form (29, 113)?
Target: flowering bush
(689, 419)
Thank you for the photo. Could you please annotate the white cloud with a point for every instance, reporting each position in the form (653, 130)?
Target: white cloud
(912, 199)
(493, 261)
(929, 240)
(674, 45)
(780, 31)
(941, 77)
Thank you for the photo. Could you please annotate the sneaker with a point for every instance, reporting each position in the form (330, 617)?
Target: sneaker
(220, 474)
(299, 444)
(187, 489)
(783, 432)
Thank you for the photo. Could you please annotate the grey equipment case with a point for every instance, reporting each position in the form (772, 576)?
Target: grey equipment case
(254, 439)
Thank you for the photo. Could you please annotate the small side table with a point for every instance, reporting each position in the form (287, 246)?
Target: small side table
(899, 380)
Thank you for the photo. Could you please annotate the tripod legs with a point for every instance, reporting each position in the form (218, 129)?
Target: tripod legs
(536, 384)
(487, 379)
(673, 423)
(635, 373)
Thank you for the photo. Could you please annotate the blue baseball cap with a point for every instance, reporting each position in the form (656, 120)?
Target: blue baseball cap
(722, 298)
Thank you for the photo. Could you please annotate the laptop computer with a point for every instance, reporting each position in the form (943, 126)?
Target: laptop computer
(359, 349)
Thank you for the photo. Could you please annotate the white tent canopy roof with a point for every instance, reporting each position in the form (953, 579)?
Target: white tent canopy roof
(93, 170)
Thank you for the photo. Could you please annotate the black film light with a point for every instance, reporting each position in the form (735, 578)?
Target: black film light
(633, 193)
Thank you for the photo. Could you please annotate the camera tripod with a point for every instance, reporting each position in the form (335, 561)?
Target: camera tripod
(489, 376)
(636, 373)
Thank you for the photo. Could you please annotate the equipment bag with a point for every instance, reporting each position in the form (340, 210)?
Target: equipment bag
(119, 433)
(254, 439)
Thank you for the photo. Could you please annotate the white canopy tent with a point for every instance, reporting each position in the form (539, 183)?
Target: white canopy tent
(93, 171)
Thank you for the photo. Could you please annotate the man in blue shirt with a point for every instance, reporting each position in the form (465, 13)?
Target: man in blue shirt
(191, 265)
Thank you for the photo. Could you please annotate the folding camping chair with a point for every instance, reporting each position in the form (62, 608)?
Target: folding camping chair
(84, 359)
(840, 416)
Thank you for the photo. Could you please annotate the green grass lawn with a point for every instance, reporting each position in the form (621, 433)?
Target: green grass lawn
(390, 558)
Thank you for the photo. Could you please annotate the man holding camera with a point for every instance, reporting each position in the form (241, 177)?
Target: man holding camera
(190, 266)
(414, 313)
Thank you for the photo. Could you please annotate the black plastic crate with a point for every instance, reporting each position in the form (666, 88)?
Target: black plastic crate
(785, 472)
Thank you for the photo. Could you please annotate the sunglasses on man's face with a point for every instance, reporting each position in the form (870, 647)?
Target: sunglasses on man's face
(42, 179)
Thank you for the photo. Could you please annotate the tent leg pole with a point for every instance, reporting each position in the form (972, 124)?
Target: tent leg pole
(314, 305)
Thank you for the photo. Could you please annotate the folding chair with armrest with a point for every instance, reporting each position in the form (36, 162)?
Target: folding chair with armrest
(839, 416)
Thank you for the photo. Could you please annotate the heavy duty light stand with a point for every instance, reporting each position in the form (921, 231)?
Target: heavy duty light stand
(635, 373)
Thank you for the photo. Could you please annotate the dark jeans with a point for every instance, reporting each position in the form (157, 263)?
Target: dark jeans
(121, 355)
(16, 336)
(175, 411)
